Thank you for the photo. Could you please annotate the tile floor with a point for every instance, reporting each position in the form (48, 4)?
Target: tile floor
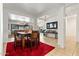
(71, 47)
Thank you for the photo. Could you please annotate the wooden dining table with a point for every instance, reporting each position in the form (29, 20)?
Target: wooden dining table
(28, 38)
(24, 34)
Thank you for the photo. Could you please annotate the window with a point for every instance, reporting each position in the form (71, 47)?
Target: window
(19, 18)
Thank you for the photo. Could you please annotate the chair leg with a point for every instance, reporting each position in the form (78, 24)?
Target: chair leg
(15, 46)
(30, 46)
(37, 44)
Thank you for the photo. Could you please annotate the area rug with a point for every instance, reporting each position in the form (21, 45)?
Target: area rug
(42, 50)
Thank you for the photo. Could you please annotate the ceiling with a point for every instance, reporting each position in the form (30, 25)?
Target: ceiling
(33, 9)
(72, 9)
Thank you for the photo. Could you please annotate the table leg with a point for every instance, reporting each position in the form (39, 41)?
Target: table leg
(23, 42)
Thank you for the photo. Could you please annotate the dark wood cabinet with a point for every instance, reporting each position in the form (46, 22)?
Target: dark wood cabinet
(19, 27)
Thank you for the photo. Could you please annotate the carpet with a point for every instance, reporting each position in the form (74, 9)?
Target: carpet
(42, 50)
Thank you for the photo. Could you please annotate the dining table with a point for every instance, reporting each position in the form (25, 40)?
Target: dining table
(22, 35)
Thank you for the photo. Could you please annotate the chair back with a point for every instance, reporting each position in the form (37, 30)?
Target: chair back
(17, 36)
(34, 35)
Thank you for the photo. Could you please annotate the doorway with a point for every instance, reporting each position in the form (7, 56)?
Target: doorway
(71, 26)
(70, 42)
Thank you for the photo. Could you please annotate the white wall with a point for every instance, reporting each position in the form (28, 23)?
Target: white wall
(58, 15)
(1, 31)
(34, 23)
(77, 27)
(61, 27)
(77, 23)
(41, 23)
(5, 25)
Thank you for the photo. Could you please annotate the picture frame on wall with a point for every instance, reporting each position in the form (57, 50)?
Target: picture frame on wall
(52, 25)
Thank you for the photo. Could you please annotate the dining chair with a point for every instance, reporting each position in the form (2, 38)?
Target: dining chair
(34, 39)
(17, 41)
(28, 38)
